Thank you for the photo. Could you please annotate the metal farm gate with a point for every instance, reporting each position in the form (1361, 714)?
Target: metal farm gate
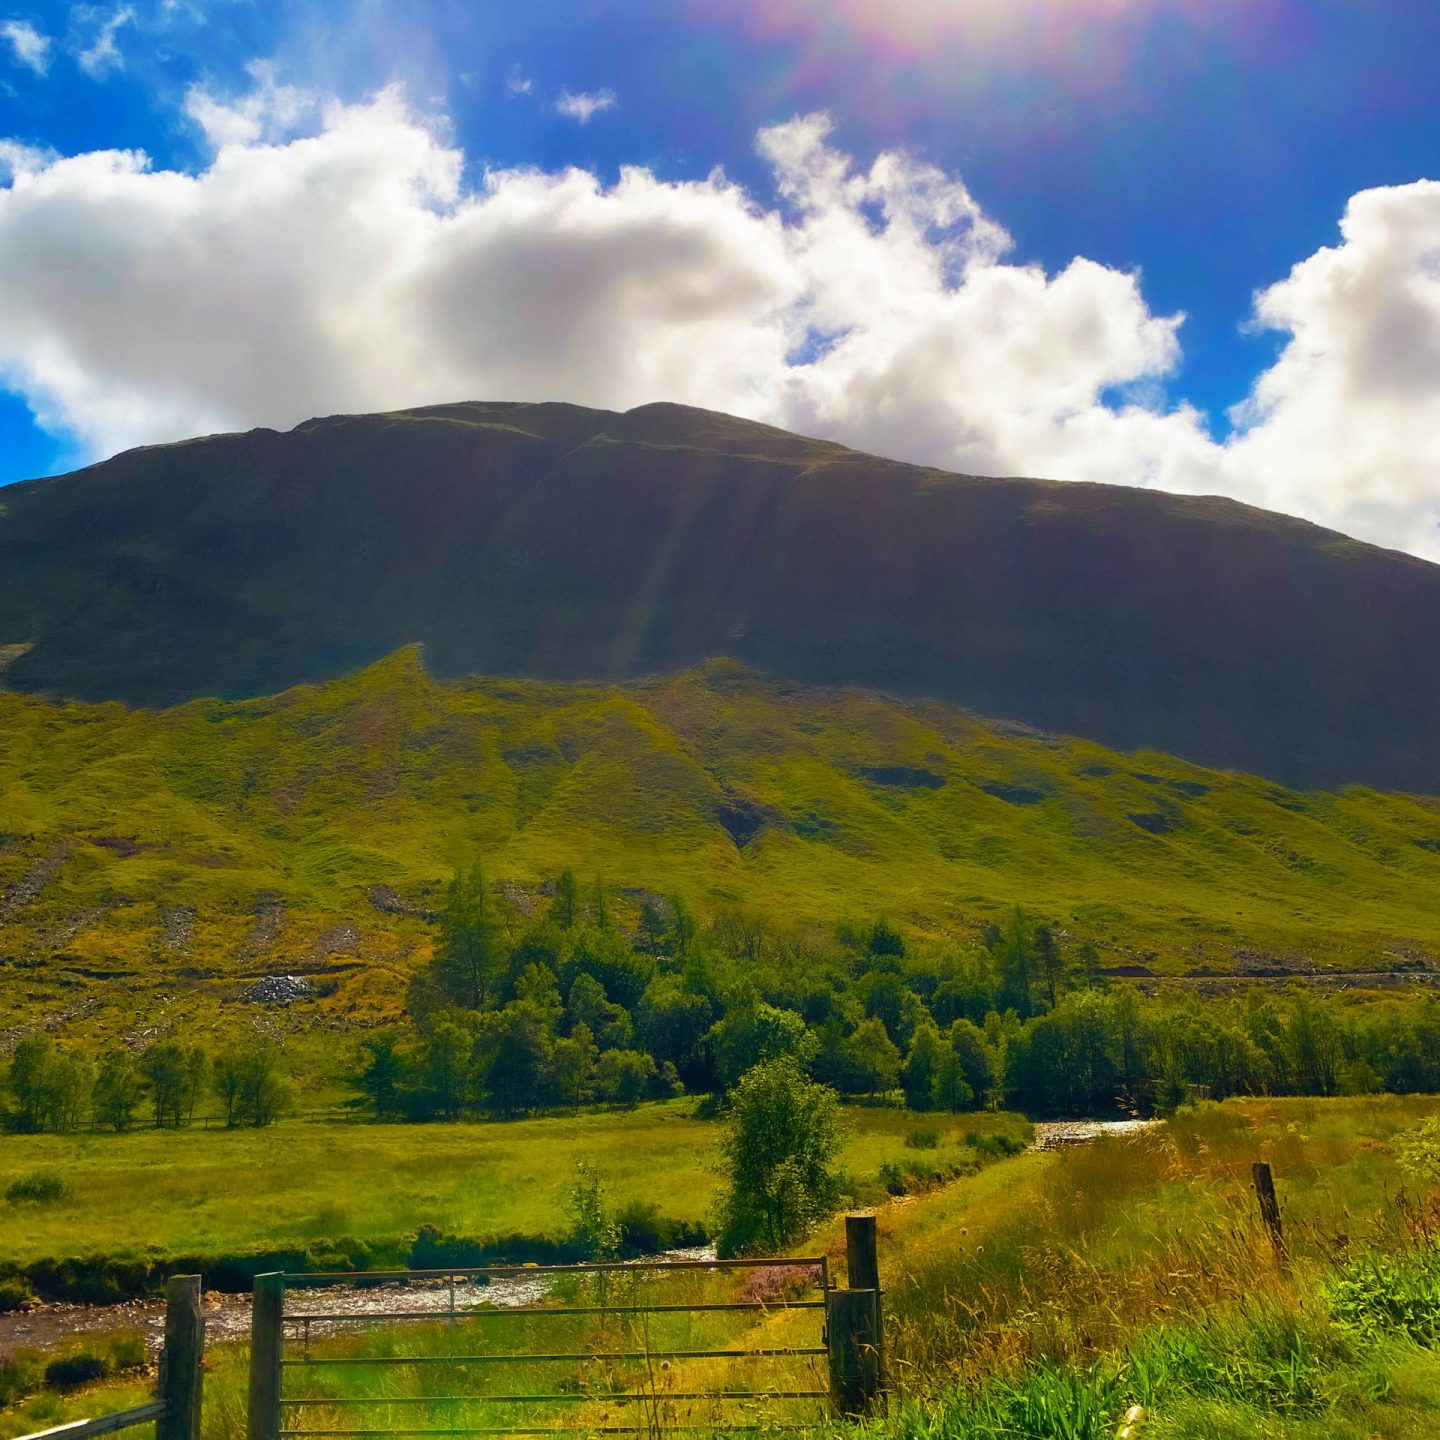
(644, 1347)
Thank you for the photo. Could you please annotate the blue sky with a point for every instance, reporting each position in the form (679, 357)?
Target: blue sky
(1198, 151)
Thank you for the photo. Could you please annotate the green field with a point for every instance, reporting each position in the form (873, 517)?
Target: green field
(1047, 1294)
(153, 865)
(305, 1183)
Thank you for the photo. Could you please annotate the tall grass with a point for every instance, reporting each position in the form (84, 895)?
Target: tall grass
(1051, 1294)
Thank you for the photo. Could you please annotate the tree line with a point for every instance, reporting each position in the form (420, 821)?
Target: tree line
(566, 1009)
(50, 1088)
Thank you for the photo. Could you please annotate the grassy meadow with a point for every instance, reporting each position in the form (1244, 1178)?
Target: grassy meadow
(305, 1183)
(1050, 1292)
(154, 864)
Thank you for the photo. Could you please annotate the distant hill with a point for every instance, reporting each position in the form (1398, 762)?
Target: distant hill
(558, 543)
(157, 865)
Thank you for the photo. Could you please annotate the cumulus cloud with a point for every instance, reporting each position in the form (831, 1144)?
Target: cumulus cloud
(30, 47)
(270, 112)
(349, 268)
(586, 105)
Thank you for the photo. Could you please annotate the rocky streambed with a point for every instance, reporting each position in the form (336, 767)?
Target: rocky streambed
(1057, 1134)
(227, 1317)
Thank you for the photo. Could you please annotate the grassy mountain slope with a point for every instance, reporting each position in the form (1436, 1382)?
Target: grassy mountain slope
(553, 542)
(153, 864)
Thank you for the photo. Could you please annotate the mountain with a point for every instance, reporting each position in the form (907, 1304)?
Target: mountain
(558, 543)
(157, 864)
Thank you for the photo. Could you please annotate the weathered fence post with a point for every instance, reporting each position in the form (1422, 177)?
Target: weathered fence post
(853, 1325)
(181, 1360)
(1269, 1205)
(265, 1357)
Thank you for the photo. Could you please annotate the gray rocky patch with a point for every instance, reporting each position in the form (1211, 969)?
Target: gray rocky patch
(387, 902)
(177, 929)
(279, 990)
(337, 940)
(27, 889)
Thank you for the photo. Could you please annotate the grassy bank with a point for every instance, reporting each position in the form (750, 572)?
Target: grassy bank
(1052, 1293)
(348, 1193)
(1046, 1295)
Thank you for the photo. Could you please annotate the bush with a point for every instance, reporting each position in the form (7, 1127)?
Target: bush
(643, 1230)
(1386, 1295)
(995, 1143)
(927, 1137)
(40, 1187)
(15, 1294)
(70, 1372)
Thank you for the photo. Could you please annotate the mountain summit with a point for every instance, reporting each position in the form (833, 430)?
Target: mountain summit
(556, 542)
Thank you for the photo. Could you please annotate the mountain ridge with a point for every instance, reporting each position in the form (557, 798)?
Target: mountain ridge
(556, 542)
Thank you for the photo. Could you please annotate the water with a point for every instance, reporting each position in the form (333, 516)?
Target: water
(227, 1317)
(1056, 1134)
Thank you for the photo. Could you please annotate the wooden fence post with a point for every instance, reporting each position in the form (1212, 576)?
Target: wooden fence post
(181, 1360)
(265, 1330)
(853, 1325)
(1269, 1205)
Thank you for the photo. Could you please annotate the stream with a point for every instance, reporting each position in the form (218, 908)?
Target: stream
(1057, 1134)
(227, 1317)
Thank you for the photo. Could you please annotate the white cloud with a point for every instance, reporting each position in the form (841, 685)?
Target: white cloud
(269, 112)
(586, 105)
(101, 54)
(518, 83)
(347, 268)
(31, 48)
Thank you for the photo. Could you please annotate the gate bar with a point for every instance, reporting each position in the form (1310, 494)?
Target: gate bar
(500, 1311)
(606, 1397)
(325, 1361)
(297, 1279)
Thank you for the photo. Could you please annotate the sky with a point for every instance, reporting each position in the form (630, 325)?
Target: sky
(1186, 244)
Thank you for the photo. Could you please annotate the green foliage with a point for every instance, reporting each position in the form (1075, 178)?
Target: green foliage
(782, 1137)
(466, 966)
(40, 1187)
(1419, 1151)
(15, 1295)
(176, 1074)
(1389, 1294)
(254, 1088)
(594, 1232)
(118, 1090)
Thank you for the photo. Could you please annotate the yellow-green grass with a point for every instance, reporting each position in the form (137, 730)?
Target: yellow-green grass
(156, 834)
(302, 1182)
(1046, 1294)
(1137, 1271)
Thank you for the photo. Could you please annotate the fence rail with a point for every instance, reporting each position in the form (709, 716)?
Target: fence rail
(104, 1424)
(175, 1410)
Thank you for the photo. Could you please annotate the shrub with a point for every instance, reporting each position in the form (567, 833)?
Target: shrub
(15, 1294)
(70, 1372)
(994, 1143)
(643, 1230)
(1382, 1294)
(926, 1137)
(40, 1187)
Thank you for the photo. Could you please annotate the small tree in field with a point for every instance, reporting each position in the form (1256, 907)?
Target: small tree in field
(781, 1138)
